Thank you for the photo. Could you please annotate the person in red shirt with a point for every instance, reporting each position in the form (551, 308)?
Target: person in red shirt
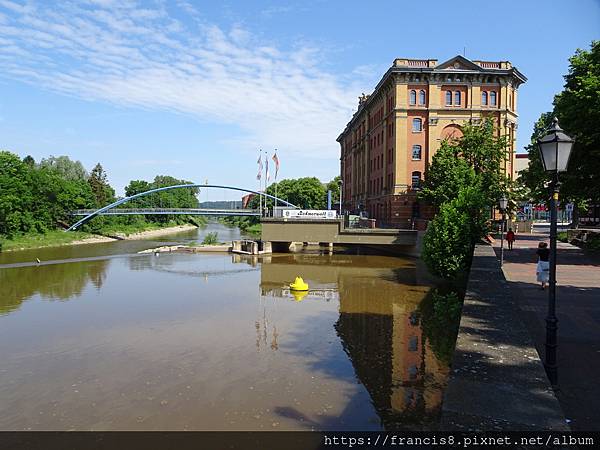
(510, 238)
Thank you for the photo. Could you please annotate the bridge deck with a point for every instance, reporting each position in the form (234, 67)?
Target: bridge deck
(170, 211)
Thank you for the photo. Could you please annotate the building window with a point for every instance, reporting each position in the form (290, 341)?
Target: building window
(417, 125)
(448, 98)
(484, 98)
(416, 152)
(413, 344)
(421, 97)
(457, 101)
(493, 98)
(413, 97)
(416, 180)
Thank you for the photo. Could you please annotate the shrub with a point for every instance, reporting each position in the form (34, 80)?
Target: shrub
(451, 235)
(210, 239)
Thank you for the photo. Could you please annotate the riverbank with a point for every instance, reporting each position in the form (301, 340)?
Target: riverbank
(59, 238)
(243, 223)
(495, 359)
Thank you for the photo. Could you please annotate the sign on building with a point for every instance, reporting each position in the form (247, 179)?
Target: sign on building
(309, 214)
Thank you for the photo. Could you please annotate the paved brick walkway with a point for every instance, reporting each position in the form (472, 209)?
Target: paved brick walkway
(578, 311)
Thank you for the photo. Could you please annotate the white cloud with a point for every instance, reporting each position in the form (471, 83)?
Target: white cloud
(115, 51)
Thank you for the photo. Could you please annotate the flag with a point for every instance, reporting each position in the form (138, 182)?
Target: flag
(259, 162)
(276, 161)
(267, 175)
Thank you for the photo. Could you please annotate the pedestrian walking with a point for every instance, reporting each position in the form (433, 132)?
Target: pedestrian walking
(510, 238)
(543, 265)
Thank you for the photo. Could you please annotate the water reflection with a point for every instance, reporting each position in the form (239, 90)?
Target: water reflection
(219, 342)
(380, 328)
(51, 282)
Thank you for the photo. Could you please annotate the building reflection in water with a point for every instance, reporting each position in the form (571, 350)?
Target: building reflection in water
(379, 325)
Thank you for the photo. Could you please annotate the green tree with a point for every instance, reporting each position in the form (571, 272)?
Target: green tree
(36, 199)
(98, 181)
(29, 161)
(533, 177)
(16, 214)
(334, 187)
(174, 198)
(308, 193)
(477, 158)
(65, 167)
(578, 109)
(447, 175)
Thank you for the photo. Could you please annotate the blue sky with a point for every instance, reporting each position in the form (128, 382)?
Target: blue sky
(194, 89)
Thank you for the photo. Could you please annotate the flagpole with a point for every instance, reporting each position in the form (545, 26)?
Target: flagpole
(260, 184)
(266, 181)
(276, 170)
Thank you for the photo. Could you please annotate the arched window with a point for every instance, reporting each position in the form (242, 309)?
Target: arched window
(417, 125)
(416, 180)
(493, 98)
(484, 98)
(416, 152)
(413, 97)
(448, 98)
(457, 101)
(421, 97)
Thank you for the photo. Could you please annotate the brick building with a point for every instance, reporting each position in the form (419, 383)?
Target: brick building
(389, 142)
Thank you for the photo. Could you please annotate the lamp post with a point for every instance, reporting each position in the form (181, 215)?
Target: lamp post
(502, 203)
(555, 150)
(341, 183)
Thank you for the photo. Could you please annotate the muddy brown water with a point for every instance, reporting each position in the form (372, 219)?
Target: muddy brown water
(100, 338)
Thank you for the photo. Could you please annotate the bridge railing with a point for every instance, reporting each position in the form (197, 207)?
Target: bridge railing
(189, 211)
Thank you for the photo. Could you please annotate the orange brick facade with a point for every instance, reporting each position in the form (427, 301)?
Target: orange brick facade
(388, 144)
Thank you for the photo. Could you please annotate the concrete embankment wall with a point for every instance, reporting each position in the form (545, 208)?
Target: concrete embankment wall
(497, 381)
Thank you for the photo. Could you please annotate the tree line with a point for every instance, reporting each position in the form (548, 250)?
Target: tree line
(36, 197)
(577, 108)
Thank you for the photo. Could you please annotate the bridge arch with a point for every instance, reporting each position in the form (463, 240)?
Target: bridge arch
(167, 188)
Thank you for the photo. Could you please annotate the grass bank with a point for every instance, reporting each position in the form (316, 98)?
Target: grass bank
(53, 238)
(248, 225)
(57, 238)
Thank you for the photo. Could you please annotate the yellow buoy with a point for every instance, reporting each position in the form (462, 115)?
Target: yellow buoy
(299, 295)
(299, 285)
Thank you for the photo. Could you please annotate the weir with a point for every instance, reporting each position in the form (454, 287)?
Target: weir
(333, 232)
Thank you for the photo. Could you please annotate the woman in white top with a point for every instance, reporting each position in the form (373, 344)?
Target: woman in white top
(543, 266)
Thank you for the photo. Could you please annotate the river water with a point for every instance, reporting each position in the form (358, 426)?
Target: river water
(98, 337)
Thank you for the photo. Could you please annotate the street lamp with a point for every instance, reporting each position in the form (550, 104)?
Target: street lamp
(341, 183)
(502, 203)
(555, 150)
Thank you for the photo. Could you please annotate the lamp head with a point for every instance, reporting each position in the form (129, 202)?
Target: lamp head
(503, 202)
(555, 148)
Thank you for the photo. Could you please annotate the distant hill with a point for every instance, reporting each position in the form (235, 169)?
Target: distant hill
(222, 204)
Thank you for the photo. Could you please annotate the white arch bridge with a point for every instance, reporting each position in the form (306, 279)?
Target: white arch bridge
(112, 210)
